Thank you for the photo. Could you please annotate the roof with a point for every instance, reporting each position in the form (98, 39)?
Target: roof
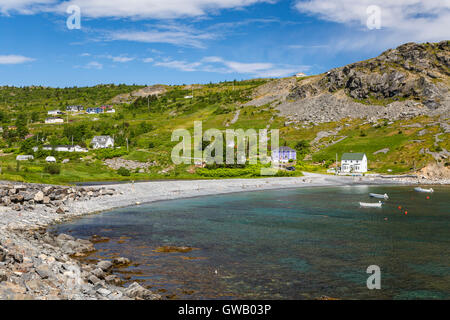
(284, 149)
(353, 156)
(101, 139)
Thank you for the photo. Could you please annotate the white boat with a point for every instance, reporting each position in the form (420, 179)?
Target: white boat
(379, 196)
(419, 189)
(371, 205)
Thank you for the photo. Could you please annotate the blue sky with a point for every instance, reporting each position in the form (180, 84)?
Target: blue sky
(201, 41)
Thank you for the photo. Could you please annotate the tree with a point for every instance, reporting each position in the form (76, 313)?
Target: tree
(302, 147)
(21, 124)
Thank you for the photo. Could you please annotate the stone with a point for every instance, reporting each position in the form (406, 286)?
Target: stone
(93, 279)
(39, 197)
(105, 265)
(60, 211)
(3, 275)
(104, 292)
(135, 290)
(6, 201)
(18, 257)
(43, 271)
(3, 254)
(98, 273)
(121, 261)
(113, 279)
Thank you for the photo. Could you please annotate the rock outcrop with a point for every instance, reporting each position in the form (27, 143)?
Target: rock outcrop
(401, 83)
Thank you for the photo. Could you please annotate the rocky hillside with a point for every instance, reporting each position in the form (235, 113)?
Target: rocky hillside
(401, 83)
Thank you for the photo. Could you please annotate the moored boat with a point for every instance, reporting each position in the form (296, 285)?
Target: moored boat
(379, 196)
(419, 189)
(371, 205)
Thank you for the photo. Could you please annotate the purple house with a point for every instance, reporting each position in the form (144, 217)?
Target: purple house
(284, 154)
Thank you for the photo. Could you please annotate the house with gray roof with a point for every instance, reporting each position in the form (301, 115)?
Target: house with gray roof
(101, 142)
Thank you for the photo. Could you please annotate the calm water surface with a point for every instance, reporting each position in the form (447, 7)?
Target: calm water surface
(283, 244)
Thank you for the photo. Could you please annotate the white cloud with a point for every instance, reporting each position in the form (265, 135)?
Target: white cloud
(220, 65)
(94, 65)
(401, 20)
(24, 6)
(121, 59)
(136, 9)
(179, 65)
(14, 59)
(162, 9)
(148, 60)
(179, 35)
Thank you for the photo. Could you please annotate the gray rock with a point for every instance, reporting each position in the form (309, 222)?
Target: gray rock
(105, 265)
(99, 273)
(121, 261)
(3, 275)
(39, 196)
(94, 280)
(104, 292)
(43, 271)
(113, 279)
(135, 290)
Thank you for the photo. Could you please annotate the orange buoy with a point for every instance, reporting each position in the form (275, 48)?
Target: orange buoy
(428, 197)
(406, 212)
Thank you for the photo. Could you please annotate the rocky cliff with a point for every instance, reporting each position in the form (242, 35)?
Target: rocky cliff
(412, 80)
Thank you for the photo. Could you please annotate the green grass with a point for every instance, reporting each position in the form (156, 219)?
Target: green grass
(149, 131)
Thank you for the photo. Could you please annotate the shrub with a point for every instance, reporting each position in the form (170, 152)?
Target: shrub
(52, 168)
(102, 154)
(124, 172)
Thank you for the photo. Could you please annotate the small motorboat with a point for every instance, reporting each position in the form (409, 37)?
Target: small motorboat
(379, 196)
(371, 205)
(419, 189)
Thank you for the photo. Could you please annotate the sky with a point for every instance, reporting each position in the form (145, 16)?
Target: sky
(200, 41)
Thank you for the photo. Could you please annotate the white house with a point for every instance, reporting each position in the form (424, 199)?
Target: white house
(101, 142)
(300, 75)
(110, 110)
(54, 112)
(52, 120)
(284, 154)
(63, 148)
(50, 159)
(354, 162)
(24, 157)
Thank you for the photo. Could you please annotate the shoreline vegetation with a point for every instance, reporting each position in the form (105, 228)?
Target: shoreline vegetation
(36, 264)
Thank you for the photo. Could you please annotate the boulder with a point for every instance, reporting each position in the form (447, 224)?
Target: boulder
(121, 261)
(105, 265)
(136, 291)
(39, 196)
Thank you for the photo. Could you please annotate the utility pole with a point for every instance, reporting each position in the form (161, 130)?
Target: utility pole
(336, 171)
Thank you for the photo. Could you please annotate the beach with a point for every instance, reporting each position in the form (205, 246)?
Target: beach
(35, 264)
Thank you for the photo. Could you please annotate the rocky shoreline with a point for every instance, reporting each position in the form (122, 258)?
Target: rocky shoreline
(36, 264)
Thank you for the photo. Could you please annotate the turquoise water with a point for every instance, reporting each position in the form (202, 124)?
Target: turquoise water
(284, 244)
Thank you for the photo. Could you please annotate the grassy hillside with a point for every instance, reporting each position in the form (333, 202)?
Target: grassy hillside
(148, 122)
